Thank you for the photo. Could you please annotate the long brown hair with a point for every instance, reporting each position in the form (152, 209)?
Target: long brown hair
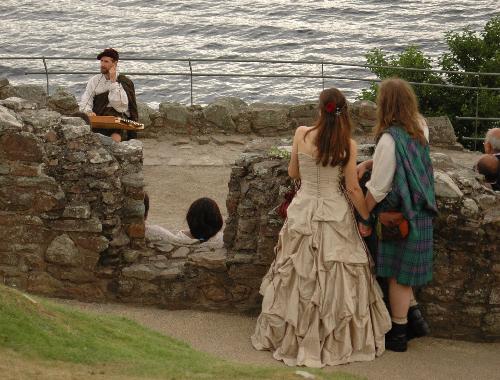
(397, 104)
(333, 139)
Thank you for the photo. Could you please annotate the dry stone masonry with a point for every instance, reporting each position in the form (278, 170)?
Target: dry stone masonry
(71, 213)
(71, 202)
(462, 301)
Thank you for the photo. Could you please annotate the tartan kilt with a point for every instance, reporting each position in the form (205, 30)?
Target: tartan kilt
(409, 260)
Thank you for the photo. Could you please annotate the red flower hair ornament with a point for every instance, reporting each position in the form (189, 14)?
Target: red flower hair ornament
(330, 107)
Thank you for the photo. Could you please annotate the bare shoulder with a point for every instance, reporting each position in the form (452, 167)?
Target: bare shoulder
(300, 131)
(354, 145)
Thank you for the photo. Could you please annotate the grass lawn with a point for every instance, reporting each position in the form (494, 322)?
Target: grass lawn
(39, 338)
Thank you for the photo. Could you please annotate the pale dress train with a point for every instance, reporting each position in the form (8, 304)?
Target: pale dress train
(321, 305)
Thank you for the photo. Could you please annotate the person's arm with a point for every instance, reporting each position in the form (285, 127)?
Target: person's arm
(384, 167)
(293, 166)
(118, 97)
(87, 101)
(370, 201)
(363, 167)
(352, 184)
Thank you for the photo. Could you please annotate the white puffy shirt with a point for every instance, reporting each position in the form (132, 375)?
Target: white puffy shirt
(97, 85)
(384, 165)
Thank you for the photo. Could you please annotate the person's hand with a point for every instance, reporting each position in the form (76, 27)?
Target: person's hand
(112, 73)
(361, 169)
(90, 113)
(364, 230)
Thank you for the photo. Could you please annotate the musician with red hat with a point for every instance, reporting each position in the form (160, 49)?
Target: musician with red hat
(110, 94)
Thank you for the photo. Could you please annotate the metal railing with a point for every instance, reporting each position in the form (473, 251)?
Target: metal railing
(321, 74)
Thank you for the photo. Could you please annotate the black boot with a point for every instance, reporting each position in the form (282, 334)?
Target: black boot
(417, 325)
(395, 339)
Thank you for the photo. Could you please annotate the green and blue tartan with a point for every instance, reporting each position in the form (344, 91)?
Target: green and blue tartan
(412, 193)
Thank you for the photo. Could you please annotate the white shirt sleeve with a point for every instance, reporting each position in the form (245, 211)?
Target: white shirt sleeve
(87, 101)
(425, 128)
(384, 167)
(118, 97)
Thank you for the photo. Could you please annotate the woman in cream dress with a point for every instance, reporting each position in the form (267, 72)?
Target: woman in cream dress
(321, 305)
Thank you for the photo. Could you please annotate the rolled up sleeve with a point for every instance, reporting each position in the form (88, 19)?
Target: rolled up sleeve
(384, 167)
(118, 97)
(87, 101)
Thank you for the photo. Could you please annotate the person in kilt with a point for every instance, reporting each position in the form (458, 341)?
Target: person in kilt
(402, 180)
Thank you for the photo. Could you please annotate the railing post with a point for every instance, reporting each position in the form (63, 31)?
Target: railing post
(322, 75)
(46, 74)
(477, 109)
(191, 79)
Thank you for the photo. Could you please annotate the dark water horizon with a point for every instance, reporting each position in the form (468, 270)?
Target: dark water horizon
(263, 30)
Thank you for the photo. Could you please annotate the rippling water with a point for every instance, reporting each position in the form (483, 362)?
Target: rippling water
(251, 29)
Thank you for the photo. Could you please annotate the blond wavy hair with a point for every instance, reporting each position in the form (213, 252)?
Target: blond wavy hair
(397, 104)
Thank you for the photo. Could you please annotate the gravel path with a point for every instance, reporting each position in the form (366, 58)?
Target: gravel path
(227, 336)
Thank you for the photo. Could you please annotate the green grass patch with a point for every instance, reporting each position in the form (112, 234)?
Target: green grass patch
(39, 329)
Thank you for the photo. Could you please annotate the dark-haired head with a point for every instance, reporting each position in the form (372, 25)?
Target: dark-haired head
(333, 139)
(204, 219)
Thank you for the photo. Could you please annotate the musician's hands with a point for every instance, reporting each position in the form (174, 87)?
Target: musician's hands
(90, 113)
(112, 73)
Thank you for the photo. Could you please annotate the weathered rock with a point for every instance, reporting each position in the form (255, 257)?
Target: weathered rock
(131, 256)
(32, 93)
(22, 146)
(170, 273)
(8, 119)
(77, 225)
(203, 140)
(94, 243)
(77, 211)
(445, 187)
(441, 132)
(220, 116)
(181, 253)
(145, 114)
(470, 208)
(63, 102)
(63, 251)
(71, 132)
(175, 114)
(17, 104)
(364, 113)
(99, 156)
(140, 272)
(210, 260)
(304, 114)
(120, 238)
(269, 119)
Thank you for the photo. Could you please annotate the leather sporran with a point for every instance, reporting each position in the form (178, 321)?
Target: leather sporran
(392, 226)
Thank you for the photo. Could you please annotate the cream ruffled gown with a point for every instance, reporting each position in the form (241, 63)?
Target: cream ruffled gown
(321, 305)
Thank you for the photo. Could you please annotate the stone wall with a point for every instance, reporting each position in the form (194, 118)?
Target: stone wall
(175, 273)
(71, 221)
(72, 225)
(462, 301)
(71, 202)
(229, 115)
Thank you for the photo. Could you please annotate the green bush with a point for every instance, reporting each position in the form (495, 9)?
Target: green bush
(468, 51)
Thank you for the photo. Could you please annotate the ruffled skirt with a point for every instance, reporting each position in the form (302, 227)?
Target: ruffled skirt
(321, 305)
